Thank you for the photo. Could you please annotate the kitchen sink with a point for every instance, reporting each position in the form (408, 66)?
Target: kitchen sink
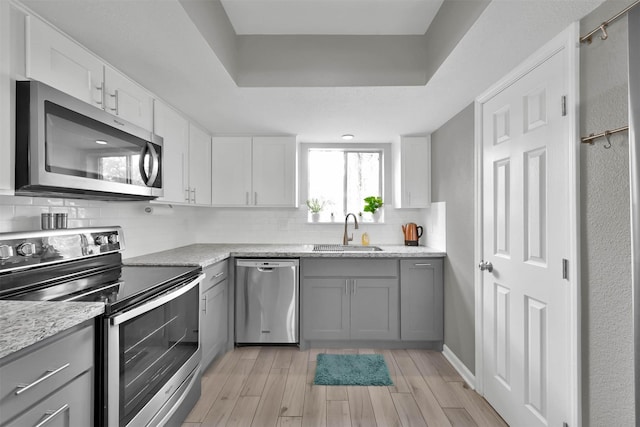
(345, 248)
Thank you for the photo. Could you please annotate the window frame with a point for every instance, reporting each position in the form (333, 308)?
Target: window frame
(385, 167)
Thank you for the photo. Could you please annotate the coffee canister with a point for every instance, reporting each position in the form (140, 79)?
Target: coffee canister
(61, 220)
(47, 221)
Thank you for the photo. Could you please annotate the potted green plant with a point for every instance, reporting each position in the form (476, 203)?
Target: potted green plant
(315, 206)
(373, 205)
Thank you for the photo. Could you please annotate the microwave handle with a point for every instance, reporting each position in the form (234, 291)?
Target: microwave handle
(154, 164)
(155, 303)
(143, 155)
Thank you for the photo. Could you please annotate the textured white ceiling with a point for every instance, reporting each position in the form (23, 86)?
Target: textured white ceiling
(155, 43)
(351, 17)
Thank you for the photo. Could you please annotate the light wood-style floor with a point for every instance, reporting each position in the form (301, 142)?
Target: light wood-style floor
(273, 386)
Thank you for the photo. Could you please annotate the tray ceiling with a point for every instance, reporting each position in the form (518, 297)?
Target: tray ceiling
(188, 54)
(337, 17)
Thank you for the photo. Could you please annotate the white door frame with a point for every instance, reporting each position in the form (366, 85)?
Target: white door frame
(567, 40)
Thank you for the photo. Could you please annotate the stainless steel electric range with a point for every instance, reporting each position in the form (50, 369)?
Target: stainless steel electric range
(148, 351)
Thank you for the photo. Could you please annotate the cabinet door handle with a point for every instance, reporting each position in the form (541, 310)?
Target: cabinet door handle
(182, 173)
(246, 198)
(193, 191)
(346, 287)
(115, 97)
(204, 307)
(355, 286)
(52, 414)
(186, 195)
(23, 387)
(218, 275)
(101, 89)
(422, 265)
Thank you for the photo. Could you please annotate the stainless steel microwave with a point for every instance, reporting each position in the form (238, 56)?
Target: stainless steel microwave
(68, 148)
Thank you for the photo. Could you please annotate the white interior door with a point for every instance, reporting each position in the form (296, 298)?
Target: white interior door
(526, 144)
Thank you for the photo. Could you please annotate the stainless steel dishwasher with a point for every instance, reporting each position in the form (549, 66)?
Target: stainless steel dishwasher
(267, 306)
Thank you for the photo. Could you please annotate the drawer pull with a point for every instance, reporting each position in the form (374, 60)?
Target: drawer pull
(422, 265)
(52, 414)
(218, 275)
(22, 388)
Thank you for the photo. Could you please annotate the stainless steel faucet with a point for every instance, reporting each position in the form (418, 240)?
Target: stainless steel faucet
(346, 239)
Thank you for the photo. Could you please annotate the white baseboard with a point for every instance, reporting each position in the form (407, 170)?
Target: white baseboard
(464, 372)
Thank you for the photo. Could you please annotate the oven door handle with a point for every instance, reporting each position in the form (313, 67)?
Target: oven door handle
(155, 303)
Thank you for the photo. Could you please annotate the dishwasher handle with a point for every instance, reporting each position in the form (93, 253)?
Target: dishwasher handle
(267, 265)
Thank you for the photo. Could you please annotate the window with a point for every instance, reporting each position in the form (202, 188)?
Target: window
(340, 178)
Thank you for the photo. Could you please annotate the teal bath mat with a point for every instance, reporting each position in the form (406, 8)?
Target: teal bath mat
(351, 369)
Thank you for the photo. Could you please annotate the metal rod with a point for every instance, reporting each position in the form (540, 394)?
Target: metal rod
(603, 27)
(589, 139)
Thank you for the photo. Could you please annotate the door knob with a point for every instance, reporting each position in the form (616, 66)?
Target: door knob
(485, 266)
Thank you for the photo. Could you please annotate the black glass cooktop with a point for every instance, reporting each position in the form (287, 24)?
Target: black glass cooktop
(118, 286)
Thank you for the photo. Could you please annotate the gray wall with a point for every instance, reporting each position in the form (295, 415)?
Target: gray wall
(452, 169)
(607, 335)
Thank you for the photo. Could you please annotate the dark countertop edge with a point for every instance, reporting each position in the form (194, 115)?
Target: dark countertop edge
(24, 323)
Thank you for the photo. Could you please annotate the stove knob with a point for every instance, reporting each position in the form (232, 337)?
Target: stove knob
(113, 239)
(26, 249)
(101, 240)
(6, 251)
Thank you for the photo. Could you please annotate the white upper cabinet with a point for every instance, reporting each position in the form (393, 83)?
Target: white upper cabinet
(6, 103)
(254, 171)
(412, 172)
(186, 152)
(231, 171)
(274, 171)
(60, 62)
(126, 99)
(54, 59)
(199, 166)
(174, 130)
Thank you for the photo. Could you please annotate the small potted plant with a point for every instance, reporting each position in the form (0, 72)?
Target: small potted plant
(373, 205)
(315, 206)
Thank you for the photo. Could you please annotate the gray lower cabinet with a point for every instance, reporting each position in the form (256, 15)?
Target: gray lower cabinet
(69, 406)
(350, 299)
(374, 309)
(325, 308)
(213, 314)
(421, 299)
(51, 382)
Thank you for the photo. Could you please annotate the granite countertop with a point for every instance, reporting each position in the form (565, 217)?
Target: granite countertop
(205, 255)
(23, 323)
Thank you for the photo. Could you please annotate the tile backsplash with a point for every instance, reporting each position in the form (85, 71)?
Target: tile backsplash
(241, 225)
(169, 226)
(143, 232)
(435, 229)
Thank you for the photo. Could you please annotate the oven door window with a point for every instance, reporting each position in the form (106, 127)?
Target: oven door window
(80, 146)
(153, 346)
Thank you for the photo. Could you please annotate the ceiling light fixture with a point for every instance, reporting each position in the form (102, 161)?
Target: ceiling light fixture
(101, 142)
(347, 137)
